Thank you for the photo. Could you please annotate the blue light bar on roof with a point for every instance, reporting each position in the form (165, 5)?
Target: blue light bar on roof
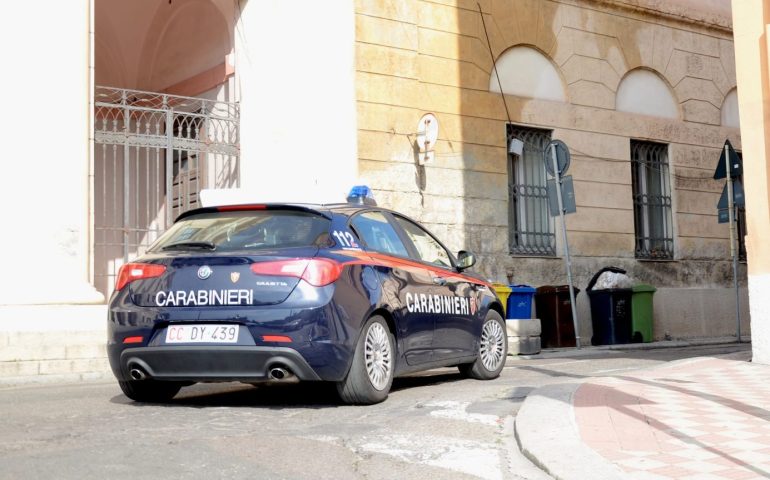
(361, 195)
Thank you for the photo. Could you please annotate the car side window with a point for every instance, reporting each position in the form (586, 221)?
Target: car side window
(427, 247)
(378, 234)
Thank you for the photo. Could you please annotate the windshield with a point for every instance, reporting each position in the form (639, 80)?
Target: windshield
(261, 229)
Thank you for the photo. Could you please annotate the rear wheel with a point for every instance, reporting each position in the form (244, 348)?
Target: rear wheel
(371, 373)
(149, 390)
(493, 348)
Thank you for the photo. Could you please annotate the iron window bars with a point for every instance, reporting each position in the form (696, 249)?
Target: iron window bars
(652, 201)
(530, 226)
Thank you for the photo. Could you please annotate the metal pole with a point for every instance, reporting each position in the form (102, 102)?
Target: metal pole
(169, 162)
(566, 245)
(733, 250)
(126, 174)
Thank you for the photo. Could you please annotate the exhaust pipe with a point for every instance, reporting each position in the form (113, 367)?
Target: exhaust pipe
(138, 374)
(279, 373)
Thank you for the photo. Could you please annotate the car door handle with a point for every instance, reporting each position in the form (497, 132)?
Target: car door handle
(439, 280)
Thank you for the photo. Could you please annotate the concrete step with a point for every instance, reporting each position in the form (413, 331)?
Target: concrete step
(44, 356)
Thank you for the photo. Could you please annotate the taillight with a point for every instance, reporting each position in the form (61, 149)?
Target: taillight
(315, 271)
(137, 271)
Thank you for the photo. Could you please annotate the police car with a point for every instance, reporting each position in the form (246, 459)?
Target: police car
(345, 293)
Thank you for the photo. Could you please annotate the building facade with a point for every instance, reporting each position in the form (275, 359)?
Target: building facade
(159, 100)
(643, 94)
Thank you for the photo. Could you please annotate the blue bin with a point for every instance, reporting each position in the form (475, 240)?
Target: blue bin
(520, 302)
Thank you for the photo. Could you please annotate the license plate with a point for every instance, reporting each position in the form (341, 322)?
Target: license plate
(202, 334)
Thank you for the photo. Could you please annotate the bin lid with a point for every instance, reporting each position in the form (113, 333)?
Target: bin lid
(555, 289)
(643, 287)
(522, 289)
(501, 288)
(596, 275)
(609, 291)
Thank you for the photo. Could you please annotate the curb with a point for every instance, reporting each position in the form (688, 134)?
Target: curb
(547, 435)
(593, 350)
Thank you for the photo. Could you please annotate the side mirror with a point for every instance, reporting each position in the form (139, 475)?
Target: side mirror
(465, 259)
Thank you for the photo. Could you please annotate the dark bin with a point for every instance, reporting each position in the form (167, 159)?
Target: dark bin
(610, 312)
(520, 302)
(554, 309)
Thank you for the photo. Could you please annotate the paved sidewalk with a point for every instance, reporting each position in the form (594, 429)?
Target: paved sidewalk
(705, 418)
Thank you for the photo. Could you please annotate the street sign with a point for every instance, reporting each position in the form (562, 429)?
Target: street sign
(730, 167)
(562, 157)
(556, 160)
(567, 196)
(723, 215)
(739, 199)
(736, 165)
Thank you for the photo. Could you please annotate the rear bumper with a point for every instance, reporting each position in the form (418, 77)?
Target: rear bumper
(212, 363)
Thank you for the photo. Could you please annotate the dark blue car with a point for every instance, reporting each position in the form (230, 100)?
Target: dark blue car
(350, 294)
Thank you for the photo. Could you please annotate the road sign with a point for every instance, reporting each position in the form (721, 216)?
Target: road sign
(567, 196)
(739, 199)
(736, 165)
(562, 157)
(723, 215)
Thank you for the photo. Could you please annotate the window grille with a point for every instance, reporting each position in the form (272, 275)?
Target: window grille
(652, 200)
(529, 223)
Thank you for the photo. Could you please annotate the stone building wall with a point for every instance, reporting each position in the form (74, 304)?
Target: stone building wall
(415, 57)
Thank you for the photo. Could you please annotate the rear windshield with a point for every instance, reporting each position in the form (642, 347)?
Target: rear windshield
(254, 229)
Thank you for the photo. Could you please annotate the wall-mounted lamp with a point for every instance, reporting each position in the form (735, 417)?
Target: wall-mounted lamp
(427, 135)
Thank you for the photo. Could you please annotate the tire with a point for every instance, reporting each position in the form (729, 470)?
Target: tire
(371, 373)
(493, 350)
(149, 390)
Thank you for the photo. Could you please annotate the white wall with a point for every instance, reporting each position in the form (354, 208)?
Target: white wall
(44, 245)
(297, 93)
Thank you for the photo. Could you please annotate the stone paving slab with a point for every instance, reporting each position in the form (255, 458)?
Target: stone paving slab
(706, 418)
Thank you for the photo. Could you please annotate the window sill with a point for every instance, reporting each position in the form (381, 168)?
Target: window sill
(656, 260)
(534, 255)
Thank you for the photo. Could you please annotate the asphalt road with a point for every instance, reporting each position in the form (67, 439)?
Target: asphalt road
(435, 425)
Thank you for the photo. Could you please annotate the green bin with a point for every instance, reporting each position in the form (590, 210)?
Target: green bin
(641, 313)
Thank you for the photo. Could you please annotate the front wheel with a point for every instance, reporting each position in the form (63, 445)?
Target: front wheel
(493, 349)
(371, 373)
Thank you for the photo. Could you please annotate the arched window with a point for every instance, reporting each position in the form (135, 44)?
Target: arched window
(730, 117)
(525, 72)
(644, 92)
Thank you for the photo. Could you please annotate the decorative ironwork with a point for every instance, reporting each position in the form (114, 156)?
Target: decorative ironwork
(529, 223)
(652, 201)
(153, 154)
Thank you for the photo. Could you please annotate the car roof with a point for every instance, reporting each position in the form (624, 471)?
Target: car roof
(347, 209)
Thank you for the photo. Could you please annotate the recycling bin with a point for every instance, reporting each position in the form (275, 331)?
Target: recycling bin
(610, 316)
(554, 308)
(520, 302)
(641, 313)
(503, 291)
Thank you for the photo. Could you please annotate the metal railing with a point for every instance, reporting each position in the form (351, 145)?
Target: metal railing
(153, 154)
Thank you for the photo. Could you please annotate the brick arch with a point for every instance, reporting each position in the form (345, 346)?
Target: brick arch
(183, 42)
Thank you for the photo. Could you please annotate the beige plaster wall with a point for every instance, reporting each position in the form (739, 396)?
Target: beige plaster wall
(751, 19)
(414, 57)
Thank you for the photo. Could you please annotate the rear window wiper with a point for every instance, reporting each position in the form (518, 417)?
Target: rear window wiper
(190, 244)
